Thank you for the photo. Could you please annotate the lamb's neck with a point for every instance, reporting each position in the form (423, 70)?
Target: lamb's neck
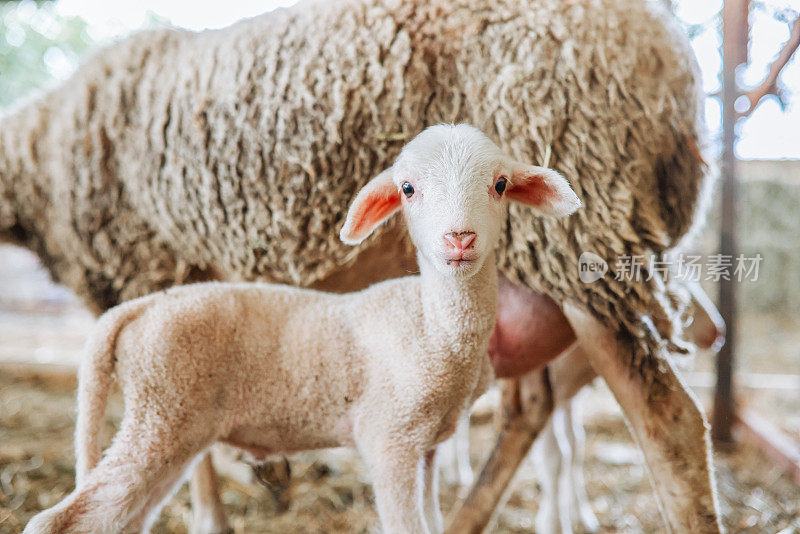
(455, 308)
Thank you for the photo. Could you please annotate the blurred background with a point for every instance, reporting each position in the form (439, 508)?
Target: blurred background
(43, 42)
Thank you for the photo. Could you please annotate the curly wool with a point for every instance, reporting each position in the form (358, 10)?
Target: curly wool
(175, 156)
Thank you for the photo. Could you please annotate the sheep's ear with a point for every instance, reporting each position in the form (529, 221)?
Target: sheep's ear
(375, 203)
(543, 188)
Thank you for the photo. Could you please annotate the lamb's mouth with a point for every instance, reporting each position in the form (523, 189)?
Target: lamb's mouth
(459, 262)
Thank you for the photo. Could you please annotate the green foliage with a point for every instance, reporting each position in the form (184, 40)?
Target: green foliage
(37, 45)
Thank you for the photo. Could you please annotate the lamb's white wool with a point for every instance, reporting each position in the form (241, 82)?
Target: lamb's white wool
(275, 369)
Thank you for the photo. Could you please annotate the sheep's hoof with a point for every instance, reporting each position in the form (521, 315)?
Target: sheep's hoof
(209, 528)
(276, 475)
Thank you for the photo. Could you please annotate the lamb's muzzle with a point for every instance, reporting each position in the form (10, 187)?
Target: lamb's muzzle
(459, 245)
(246, 369)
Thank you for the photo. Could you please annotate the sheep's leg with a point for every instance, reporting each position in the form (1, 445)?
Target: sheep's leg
(546, 458)
(559, 451)
(454, 456)
(398, 473)
(123, 493)
(208, 513)
(448, 460)
(461, 442)
(707, 328)
(577, 501)
(158, 497)
(569, 373)
(527, 404)
(667, 423)
(567, 496)
(552, 456)
(433, 513)
(84, 510)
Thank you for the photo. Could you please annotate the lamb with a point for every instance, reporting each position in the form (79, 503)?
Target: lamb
(174, 157)
(271, 368)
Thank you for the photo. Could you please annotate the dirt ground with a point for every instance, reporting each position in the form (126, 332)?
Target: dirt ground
(329, 491)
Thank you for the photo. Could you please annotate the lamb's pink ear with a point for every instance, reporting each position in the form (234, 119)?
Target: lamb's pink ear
(376, 201)
(543, 188)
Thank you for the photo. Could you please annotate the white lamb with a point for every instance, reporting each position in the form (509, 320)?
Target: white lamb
(274, 369)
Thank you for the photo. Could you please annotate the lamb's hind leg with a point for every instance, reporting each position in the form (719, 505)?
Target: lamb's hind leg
(124, 492)
(208, 513)
(158, 497)
(666, 422)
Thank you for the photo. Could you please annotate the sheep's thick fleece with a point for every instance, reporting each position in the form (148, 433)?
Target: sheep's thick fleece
(174, 156)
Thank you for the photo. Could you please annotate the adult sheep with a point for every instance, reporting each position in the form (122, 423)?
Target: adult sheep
(176, 156)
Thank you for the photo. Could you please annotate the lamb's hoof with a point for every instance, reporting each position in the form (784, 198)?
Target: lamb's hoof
(209, 527)
(546, 521)
(209, 521)
(588, 521)
(276, 475)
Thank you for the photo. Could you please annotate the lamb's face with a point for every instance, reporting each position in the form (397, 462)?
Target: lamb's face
(452, 182)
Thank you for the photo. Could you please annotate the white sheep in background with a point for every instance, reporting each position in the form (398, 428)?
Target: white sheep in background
(229, 155)
(273, 369)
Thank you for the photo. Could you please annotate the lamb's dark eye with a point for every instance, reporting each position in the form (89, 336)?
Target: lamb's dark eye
(500, 185)
(408, 189)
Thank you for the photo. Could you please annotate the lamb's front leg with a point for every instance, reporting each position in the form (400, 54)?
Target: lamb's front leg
(398, 482)
(433, 513)
(453, 455)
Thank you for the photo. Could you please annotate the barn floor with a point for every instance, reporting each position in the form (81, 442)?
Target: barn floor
(329, 491)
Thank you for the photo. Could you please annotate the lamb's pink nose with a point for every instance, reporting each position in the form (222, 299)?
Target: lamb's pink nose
(460, 241)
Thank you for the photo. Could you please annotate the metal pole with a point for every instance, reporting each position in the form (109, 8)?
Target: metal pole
(734, 21)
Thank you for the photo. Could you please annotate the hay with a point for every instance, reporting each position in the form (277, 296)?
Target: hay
(329, 491)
